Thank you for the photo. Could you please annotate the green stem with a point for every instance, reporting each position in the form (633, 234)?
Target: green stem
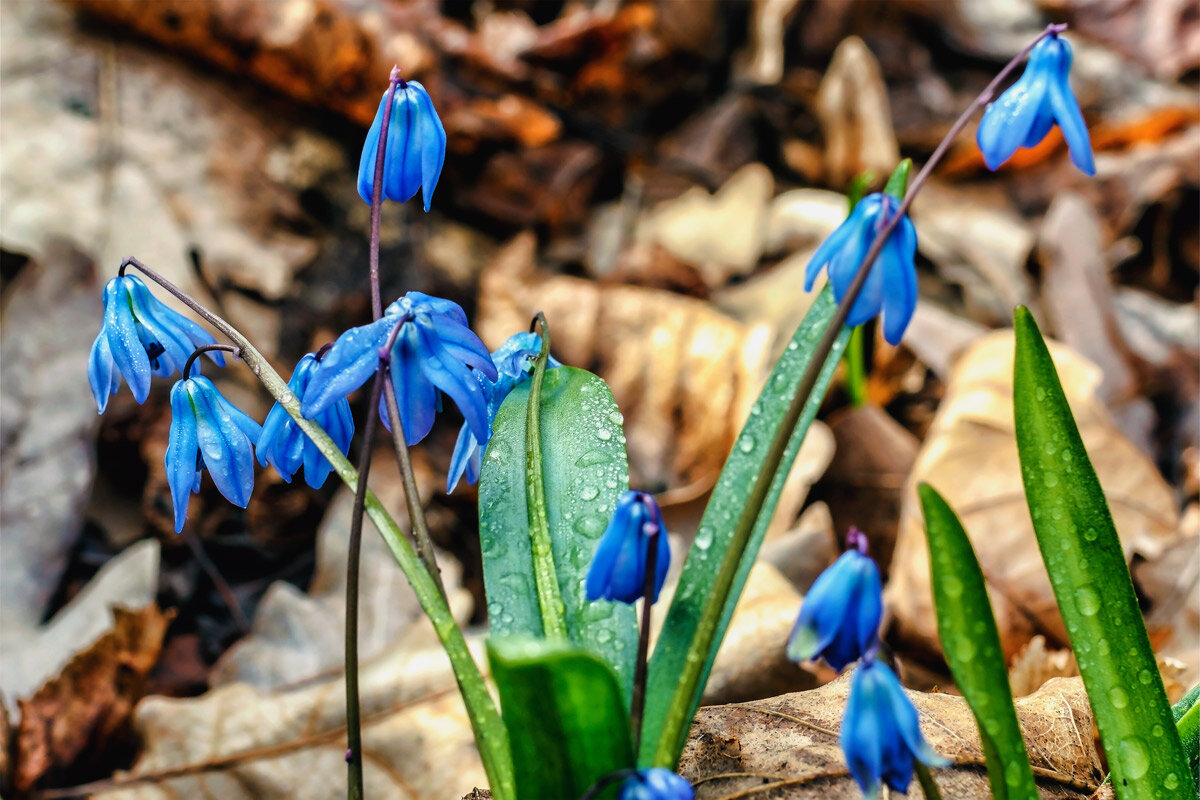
(928, 784)
(856, 371)
(490, 735)
(554, 613)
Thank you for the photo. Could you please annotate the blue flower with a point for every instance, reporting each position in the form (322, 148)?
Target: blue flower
(415, 148)
(138, 338)
(284, 446)
(431, 348)
(891, 286)
(881, 734)
(513, 362)
(1039, 99)
(208, 431)
(618, 569)
(839, 619)
(656, 783)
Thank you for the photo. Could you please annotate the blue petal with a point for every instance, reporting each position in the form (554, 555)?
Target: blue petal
(465, 346)
(898, 272)
(416, 395)
(103, 378)
(419, 302)
(180, 461)
(828, 249)
(904, 717)
(1007, 122)
(1074, 130)
(861, 734)
(455, 379)
(402, 171)
(353, 359)
(274, 432)
(466, 449)
(176, 344)
(431, 142)
(225, 447)
(124, 344)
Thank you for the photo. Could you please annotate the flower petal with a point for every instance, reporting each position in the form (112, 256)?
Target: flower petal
(431, 142)
(416, 395)
(103, 379)
(1007, 122)
(225, 447)
(455, 379)
(465, 449)
(124, 344)
(1074, 129)
(353, 359)
(180, 460)
(898, 273)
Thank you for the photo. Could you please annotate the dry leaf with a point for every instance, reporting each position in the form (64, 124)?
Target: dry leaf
(763, 60)
(787, 747)
(684, 375)
(852, 103)
(970, 456)
(1036, 664)
(77, 715)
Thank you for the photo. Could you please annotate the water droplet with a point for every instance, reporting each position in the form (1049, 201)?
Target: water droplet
(1051, 448)
(1104, 647)
(1171, 781)
(589, 492)
(1040, 393)
(1118, 697)
(746, 444)
(965, 650)
(603, 434)
(1134, 758)
(1051, 479)
(953, 587)
(604, 636)
(1145, 677)
(704, 538)
(1012, 774)
(1087, 601)
(1157, 730)
(590, 526)
(616, 417)
(591, 458)
(1090, 534)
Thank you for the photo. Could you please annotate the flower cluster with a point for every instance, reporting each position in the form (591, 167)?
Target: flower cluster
(839, 621)
(618, 570)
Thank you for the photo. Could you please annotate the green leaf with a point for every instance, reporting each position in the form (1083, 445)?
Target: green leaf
(584, 470)
(1185, 703)
(858, 187)
(729, 498)
(565, 716)
(1091, 582)
(1187, 723)
(897, 184)
(969, 637)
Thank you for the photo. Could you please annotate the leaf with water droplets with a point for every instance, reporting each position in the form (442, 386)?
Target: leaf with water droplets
(1128, 709)
(584, 470)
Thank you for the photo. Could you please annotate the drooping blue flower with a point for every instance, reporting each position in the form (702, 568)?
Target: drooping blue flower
(881, 734)
(208, 431)
(656, 783)
(285, 447)
(839, 619)
(514, 363)
(138, 338)
(1039, 99)
(432, 348)
(891, 286)
(618, 570)
(415, 147)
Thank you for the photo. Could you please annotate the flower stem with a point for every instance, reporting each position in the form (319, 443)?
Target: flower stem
(490, 734)
(637, 706)
(206, 348)
(929, 786)
(550, 600)
(678, 716)
(856, 369)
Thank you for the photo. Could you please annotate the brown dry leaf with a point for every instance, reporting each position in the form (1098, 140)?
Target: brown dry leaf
(852, 103)
(970, 456)
(1036, 664)
(763, 60)
(684, 375)
(1164, 34)
(787, 747)
(77, 714)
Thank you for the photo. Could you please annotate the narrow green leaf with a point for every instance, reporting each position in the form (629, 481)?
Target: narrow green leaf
(1091, 582)
(858, 187)
(1187, 723)
(897, 184)
(565, 716)
(1185, 703)
(584, 470)
(969, 637)
(728, 499)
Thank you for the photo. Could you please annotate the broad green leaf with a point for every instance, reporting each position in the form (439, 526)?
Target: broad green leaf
(971, 642)
(584, 470)
(728, 499)
(565, 716)
(1091, 582)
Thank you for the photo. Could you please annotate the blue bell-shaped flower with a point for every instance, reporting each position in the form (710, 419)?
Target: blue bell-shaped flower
(208, 431)
(138, 338)
(430, 348)
(839, 619)
(284, 446)
(1040, 99)
(415, 147)
(656, 783)
(514, 363)
(891, 287)
(618, 570)
(881, 734)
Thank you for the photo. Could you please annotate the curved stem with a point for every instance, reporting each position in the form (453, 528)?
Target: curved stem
(684, 699)
(637, 706)
(490, 735)
(207, 348)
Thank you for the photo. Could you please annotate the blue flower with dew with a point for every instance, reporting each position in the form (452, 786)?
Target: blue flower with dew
(285, 447)
(618, 569)
(1040, 99)
(839, 618)
(891, 286)
(656, 783)
(428, 347)
(414, 151)
(207, 431)
(140, 337)
(881, 734)
(514, 363)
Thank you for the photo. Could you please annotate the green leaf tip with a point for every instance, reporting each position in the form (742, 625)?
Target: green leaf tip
(897, 185)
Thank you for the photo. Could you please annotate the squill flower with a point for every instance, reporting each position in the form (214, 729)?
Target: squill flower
(881, 734)
(207, 431)
(839, 619)
(1040, 99)
(513, 362)
(415, 147)
(618, 570)
(428, 346)
(139, 338)
(891, 286)
(284, 446)
(656, 783)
